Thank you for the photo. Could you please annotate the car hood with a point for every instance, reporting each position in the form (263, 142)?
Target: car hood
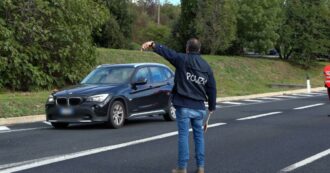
(85, 90)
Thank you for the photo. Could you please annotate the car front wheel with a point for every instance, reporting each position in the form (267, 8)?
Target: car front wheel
(116, 115)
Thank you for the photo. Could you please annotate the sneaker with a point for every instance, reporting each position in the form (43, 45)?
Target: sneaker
(200, 170)
(179, 171)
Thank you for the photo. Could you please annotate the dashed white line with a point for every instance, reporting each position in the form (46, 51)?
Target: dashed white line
(316, 93)
(303, 95)
(258, 116)
(4, 128)
(270, 98)
(217, 106)
(258, 101)
(48, 123)
(49, 160)
(309, 106)
(286, 96)
(19, 130)
(232, 103)
(216, 125)
(306, 161)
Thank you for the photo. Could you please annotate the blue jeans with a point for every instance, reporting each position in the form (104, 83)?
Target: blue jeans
(185, 116)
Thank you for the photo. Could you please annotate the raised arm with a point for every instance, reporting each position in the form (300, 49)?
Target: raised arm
(169, 54)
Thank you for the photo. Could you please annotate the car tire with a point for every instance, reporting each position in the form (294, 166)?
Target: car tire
(170, 113)
(329, 93)
(116, 114)
(60, 125)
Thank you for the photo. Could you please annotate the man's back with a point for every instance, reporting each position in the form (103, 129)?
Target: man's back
(194, 79)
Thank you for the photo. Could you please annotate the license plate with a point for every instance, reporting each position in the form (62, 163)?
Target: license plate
(66, 111)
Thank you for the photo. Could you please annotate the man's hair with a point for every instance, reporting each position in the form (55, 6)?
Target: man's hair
(193, 45)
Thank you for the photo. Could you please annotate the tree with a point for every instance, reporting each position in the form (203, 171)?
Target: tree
(117, 31)
(186, 26)
(169, 13)
(216, 25)
(257, 24)
(145, 20)
(160, 33)
(47, 42)
(305, 31)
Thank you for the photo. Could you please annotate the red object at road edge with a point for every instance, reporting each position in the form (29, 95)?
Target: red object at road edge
(326, 72)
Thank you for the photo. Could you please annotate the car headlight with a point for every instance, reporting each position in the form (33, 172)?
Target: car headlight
(98, 98)
(50, 99)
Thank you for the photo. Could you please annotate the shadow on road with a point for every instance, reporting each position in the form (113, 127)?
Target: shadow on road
(128, 123)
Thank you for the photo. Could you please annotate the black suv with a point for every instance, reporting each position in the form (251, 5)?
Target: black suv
(113, 93)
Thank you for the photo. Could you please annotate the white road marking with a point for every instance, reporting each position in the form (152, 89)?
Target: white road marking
(232, 103)
(258, 101)
(323, 93)
(20, 130)
(306, 161)
(316, 93)
(19, 166)
(303, 95)
(286, 96)
(216, 125)
(309, 106)
(216, 106)
(48, 123)
(258, 116)
(270, 98)
(4, 128)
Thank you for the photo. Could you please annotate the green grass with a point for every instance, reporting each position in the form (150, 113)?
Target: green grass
(234, 75)
(13, 104)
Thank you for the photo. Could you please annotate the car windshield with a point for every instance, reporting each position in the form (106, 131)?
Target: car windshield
(109, 75)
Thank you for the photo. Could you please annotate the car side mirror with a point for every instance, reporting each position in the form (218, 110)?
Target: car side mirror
(141, 81)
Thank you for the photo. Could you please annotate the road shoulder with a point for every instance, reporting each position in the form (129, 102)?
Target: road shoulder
(36, 118)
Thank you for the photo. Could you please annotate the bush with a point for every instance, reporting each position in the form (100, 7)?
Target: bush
(47, 42)
(158, 33)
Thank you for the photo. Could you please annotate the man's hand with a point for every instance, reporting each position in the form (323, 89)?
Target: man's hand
(147, 45)
(207, 121)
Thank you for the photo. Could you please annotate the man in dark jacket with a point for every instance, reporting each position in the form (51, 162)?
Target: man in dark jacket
(194, 84)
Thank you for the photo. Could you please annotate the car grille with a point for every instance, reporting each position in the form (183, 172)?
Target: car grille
(62, 101)
(74, 101)
(69, 101)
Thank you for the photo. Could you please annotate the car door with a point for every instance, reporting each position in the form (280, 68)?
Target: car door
(160, 86)
(141, 96)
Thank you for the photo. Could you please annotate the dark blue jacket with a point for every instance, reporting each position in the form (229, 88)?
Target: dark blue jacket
(194, 80)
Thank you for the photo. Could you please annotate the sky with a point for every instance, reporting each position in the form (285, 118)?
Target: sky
(172, 1)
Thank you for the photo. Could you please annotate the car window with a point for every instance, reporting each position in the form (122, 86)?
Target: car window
(109, 75)
(167, 73)
(141, 73)
(157, 74)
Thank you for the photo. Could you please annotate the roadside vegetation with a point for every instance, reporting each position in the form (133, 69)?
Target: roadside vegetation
(47, 44)
(234, 75)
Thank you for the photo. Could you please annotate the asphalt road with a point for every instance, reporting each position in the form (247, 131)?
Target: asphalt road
(265, 135)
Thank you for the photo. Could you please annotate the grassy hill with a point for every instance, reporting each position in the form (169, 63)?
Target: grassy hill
(234, 75)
